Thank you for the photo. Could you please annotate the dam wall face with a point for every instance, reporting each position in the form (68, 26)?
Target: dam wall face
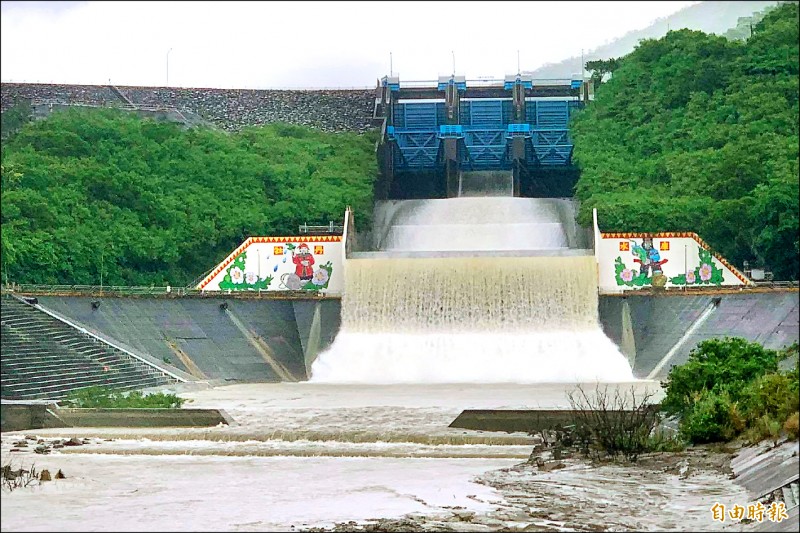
(648, 327)
(213, 337)
(270, 339)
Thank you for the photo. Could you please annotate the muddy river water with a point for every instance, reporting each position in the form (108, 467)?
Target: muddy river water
(306, 455)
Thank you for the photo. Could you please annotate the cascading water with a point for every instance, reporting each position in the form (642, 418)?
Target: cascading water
(477, 224)
(517, 319)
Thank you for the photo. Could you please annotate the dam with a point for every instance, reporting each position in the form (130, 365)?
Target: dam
(474, 269)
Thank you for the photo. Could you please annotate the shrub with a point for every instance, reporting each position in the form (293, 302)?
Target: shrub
(771, 395)
(105, 398)
(718, 365)
(764, 427)
(792, 425)
(710, 419)
(617, 424)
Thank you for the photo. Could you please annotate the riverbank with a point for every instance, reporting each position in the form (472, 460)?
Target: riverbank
(671, 491)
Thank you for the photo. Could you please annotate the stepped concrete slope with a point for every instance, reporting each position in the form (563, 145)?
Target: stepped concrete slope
(45, 358)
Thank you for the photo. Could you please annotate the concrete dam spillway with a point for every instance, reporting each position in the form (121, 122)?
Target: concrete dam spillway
(472, 289)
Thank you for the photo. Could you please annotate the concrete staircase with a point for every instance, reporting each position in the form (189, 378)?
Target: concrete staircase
(121, 95)
(45, 358)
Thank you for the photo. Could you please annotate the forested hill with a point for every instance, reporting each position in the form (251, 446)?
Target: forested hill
(709, 17)
(98, 190)
(698, 133)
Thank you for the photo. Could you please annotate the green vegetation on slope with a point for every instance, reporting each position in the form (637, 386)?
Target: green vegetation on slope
(148, 203)
(698, 133)
(731, 387)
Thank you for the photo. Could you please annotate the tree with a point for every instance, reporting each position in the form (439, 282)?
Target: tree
(600, 68)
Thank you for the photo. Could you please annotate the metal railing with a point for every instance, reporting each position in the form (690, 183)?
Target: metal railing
(118, 290)
(90, 289)
(330, 228)
(196, 281)
(753, 286)
(483, 82)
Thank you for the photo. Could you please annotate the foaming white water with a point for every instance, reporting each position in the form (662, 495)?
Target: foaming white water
(477, 210)
(557, 357)
(474, 319)
(476, 224)
(474, 237)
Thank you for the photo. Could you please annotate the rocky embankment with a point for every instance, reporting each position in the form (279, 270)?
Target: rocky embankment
(670, 491)
(346, 110)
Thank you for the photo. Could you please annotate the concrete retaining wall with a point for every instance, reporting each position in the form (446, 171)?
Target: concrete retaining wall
(149, 418)
(198, 337)
(249, 340)
(658, 323)
(24, 416)
(515, 420)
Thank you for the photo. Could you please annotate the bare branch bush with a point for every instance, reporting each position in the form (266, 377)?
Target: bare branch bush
(12, 478)
(614, 424)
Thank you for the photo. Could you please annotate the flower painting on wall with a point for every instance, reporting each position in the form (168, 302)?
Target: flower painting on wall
(648, 267)
(706, 273)
(294, 267)
(239, 278)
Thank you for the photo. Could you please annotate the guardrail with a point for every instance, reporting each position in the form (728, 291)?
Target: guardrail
(331, 228)
(167, 292)
(756, 286)
(483, 82)
(92, 289)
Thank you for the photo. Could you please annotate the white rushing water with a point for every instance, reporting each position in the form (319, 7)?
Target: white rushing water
(477, 224)
(520, 319)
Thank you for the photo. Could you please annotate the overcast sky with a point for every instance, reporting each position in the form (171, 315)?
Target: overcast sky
(259, 45)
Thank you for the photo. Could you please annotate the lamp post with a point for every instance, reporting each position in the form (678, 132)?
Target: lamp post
(168, 51)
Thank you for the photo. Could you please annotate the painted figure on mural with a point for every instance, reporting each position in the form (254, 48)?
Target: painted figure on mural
(648, 257)
(304, 262)
(650, 260)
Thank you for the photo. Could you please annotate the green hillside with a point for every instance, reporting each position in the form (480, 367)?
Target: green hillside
(695, 132)
(150, 203)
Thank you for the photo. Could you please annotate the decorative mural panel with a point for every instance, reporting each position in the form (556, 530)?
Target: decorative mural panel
(629, 261)
(281, 264)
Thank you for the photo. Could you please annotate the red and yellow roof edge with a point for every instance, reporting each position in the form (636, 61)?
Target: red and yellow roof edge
(258, 240)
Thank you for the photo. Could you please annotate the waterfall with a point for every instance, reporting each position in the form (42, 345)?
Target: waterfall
(481, 319)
